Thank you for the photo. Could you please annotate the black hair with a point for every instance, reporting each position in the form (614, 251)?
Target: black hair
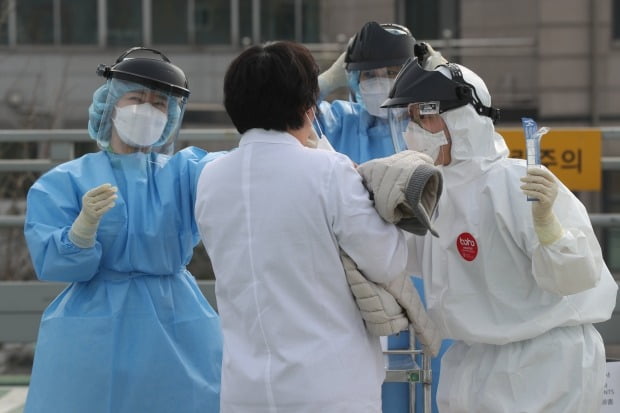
(271, 86)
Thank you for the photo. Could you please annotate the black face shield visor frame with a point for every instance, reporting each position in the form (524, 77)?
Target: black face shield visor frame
(415, 85)
(379, 45)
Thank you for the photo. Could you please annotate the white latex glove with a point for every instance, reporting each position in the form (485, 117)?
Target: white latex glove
(95, 203)
(334, 77)
(431, 58)
(540, 183)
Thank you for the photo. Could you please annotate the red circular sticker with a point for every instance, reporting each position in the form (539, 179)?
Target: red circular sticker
(467, 246)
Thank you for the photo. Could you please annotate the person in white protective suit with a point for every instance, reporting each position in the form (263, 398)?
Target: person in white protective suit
(273, 215)
(516, 284)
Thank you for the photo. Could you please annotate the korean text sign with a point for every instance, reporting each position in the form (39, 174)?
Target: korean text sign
(573, 155)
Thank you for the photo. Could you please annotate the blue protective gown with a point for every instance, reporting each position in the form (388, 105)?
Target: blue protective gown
(132, 332)
(353, 131)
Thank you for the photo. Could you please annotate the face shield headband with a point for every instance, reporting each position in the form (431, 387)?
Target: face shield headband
(480, 108)
(414, 84)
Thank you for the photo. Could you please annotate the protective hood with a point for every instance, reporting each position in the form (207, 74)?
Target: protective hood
(473, 139)
(464, 103)
(473, 135)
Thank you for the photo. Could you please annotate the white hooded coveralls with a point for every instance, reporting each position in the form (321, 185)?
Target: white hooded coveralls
(272, 215)
(523, 312)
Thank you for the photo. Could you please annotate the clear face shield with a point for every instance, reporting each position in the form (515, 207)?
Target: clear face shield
(418, 127)
(371, 87)
(139, 118)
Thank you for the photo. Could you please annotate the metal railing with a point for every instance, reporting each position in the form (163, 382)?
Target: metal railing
(61, 145)
(62, 142)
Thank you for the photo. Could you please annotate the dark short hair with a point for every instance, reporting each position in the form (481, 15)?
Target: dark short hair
(271, 86)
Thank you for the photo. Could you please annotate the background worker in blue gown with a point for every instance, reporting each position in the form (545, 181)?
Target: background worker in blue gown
(360, 129)
(132, 331)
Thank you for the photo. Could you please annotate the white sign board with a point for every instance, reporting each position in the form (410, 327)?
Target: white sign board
(611, 391)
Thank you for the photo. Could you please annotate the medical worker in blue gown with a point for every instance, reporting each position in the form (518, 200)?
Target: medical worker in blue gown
(360, 129)
(132, 332)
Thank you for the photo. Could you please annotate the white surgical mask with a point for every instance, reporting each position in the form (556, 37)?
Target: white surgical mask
(419, 139)
(374, 92)
(139, 125)
(318, 140)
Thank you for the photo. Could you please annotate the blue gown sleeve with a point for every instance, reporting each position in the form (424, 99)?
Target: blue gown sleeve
(330, 119)
(52, 204)
(352, 131)
(195, 159)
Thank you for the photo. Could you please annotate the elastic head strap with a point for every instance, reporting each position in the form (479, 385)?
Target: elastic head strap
(481, 109)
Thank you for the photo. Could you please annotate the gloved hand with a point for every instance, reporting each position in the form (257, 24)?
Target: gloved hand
(95, 203)
(540, 183)
(429, 57)
(334, 77)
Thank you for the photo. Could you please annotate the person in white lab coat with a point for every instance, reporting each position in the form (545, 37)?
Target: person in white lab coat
(516, 284)
(273, 215)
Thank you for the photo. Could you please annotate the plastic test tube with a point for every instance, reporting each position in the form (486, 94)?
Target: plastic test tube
(532, 144)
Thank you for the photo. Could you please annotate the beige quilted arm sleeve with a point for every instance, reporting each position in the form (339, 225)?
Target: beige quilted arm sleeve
(381, 313)
(404, 292)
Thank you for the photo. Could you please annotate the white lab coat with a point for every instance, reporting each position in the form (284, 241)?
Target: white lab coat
(526, 345)
(272, 215)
